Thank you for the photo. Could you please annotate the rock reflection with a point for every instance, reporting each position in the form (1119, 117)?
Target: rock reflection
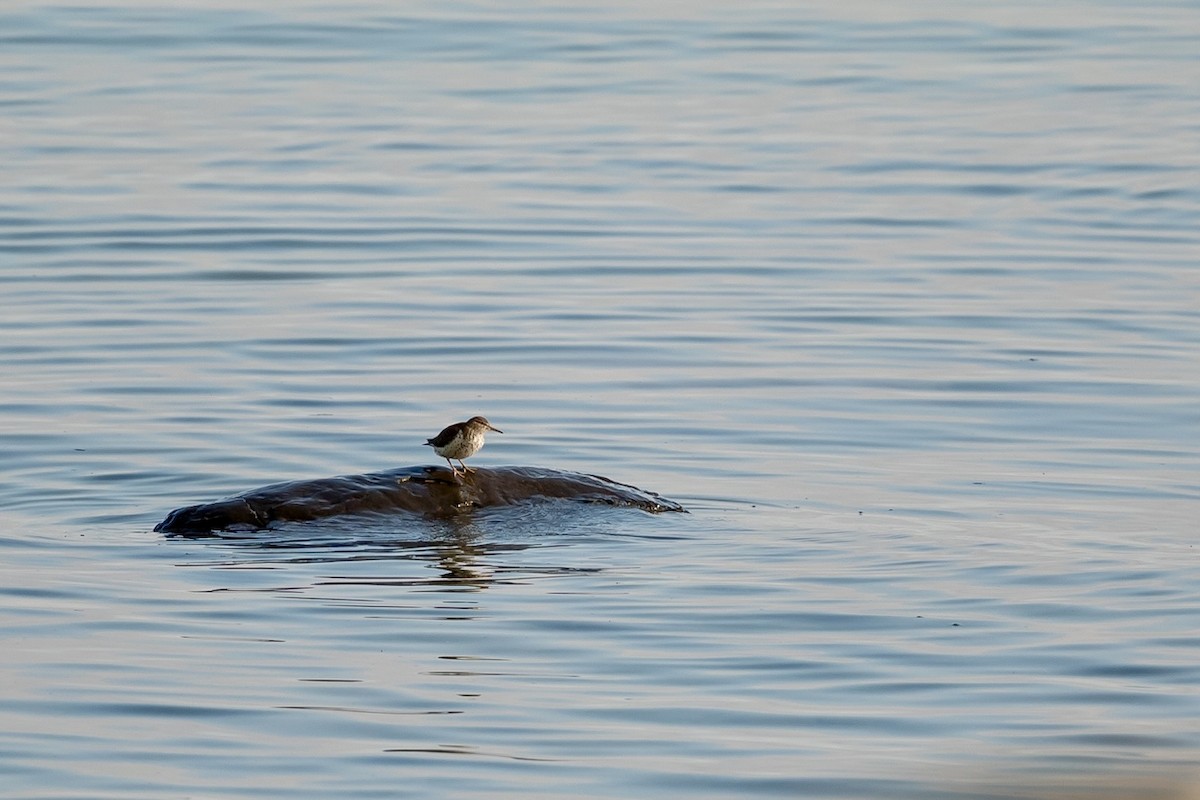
(467, 551)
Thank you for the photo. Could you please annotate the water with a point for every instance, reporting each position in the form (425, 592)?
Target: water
(901, 302)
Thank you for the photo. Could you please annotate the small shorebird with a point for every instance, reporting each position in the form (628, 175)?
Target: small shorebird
(461, 440)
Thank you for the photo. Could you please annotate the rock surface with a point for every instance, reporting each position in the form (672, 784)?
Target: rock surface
(422, 490)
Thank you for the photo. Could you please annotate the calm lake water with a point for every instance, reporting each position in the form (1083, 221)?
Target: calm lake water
(902, 301)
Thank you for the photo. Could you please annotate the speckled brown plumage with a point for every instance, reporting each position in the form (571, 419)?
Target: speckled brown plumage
(461, 440)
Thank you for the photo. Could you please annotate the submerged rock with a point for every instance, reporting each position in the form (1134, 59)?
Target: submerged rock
(423, 490)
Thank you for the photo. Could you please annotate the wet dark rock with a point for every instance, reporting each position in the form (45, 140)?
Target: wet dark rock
(422, 490)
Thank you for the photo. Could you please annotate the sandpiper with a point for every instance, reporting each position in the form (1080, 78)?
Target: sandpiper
(461, 440)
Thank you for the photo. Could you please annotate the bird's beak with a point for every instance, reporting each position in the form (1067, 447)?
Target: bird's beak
(497, 430)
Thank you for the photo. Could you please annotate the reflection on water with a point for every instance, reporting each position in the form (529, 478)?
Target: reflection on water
(459, 555)
(469, 550)
(457, 550)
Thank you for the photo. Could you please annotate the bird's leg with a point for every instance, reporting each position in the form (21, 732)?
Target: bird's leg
(466, 470)
(453, 470)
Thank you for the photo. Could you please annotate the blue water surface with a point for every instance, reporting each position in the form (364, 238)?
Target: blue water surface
(901, 301)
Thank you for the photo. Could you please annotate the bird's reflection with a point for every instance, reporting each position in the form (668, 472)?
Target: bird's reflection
(460, 554)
